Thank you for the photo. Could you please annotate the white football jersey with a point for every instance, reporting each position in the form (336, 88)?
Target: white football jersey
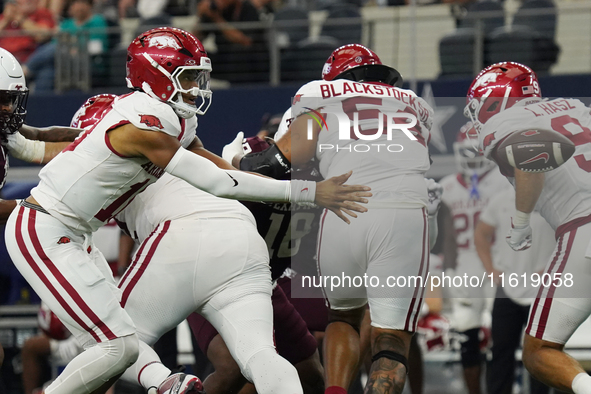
(567, 190)
(498, 214)
(172, 198)
(358, 134)
(465, 204)
(89, 182)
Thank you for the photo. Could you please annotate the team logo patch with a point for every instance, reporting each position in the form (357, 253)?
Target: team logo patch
(63, 240)
(89, 249)
(529, 133)
(488, 140)
(542, 156)
(297, 98)
(151, 121)
(162, 42)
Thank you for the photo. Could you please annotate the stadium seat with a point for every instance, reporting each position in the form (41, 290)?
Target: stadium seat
(292, 24)
(523, 45)
(304, 62)
(456, 53)
(539, 15)
(490, 11)
(347, 31)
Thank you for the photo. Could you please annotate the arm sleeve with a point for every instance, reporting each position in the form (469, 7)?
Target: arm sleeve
(205, 175)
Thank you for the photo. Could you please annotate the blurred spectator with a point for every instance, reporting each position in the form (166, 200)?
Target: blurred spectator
(40, 67)
(241, 54)
(24, 25)
(146, 9)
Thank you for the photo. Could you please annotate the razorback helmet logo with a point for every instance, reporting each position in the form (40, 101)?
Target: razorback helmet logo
(162, 42)
(151, 121)
(488, 140)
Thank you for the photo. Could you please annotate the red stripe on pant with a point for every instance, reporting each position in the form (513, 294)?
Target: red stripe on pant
(541, 290)
(137, 257)
(144, 264)
(31, 261)
(426, 252)
(407, 324)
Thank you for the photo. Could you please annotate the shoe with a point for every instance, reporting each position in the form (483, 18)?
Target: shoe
(181, 383)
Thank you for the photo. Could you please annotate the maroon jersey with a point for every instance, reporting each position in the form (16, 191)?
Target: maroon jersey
(3, 165)
(290, 232)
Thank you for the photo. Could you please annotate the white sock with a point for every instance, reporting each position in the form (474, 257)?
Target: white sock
(148, 366)
(581, 384)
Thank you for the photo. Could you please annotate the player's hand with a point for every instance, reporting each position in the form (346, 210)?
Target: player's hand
(342, 199)
(519, 238)
(435, 191)
(234, 148)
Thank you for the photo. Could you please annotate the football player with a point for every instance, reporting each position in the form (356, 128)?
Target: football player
(145, 134)
(393, 239)
(465, 194)
(512, 303)
(286, 232)
(506, 98)
(13, 100)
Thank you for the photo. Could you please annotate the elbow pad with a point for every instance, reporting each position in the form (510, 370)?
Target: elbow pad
(270, 162)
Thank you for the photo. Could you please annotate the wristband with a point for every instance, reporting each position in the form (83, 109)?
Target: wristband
(302, 191)
(520, 219)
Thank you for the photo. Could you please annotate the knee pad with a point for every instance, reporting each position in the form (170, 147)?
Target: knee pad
(470, 348)
(391, 356)
(122, 351)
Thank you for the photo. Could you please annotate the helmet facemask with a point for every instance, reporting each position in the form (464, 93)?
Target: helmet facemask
(187, 76)
(469, 160)
(13, 105)
(202, 94)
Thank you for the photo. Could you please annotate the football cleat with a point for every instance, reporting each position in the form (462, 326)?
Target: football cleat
(181, 383)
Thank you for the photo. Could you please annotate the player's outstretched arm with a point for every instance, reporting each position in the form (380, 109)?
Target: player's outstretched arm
(50, 134)
(165, 151)
(528, 187)
(39, 152)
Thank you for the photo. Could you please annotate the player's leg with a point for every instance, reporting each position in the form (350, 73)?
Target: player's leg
(296, 344)
(556, 314)
(242, 313)
(63, 270)
(227, 377)
(401, 248)
(159, 290)
(506, 334)
(342, 259)
(415, 367)
(34, 357)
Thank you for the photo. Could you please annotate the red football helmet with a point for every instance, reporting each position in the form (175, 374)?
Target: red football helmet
(433, 330)
(159, 59)
(92, 110)
(469, 159)
(358, 63)
(499, 87)
(50, 324)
